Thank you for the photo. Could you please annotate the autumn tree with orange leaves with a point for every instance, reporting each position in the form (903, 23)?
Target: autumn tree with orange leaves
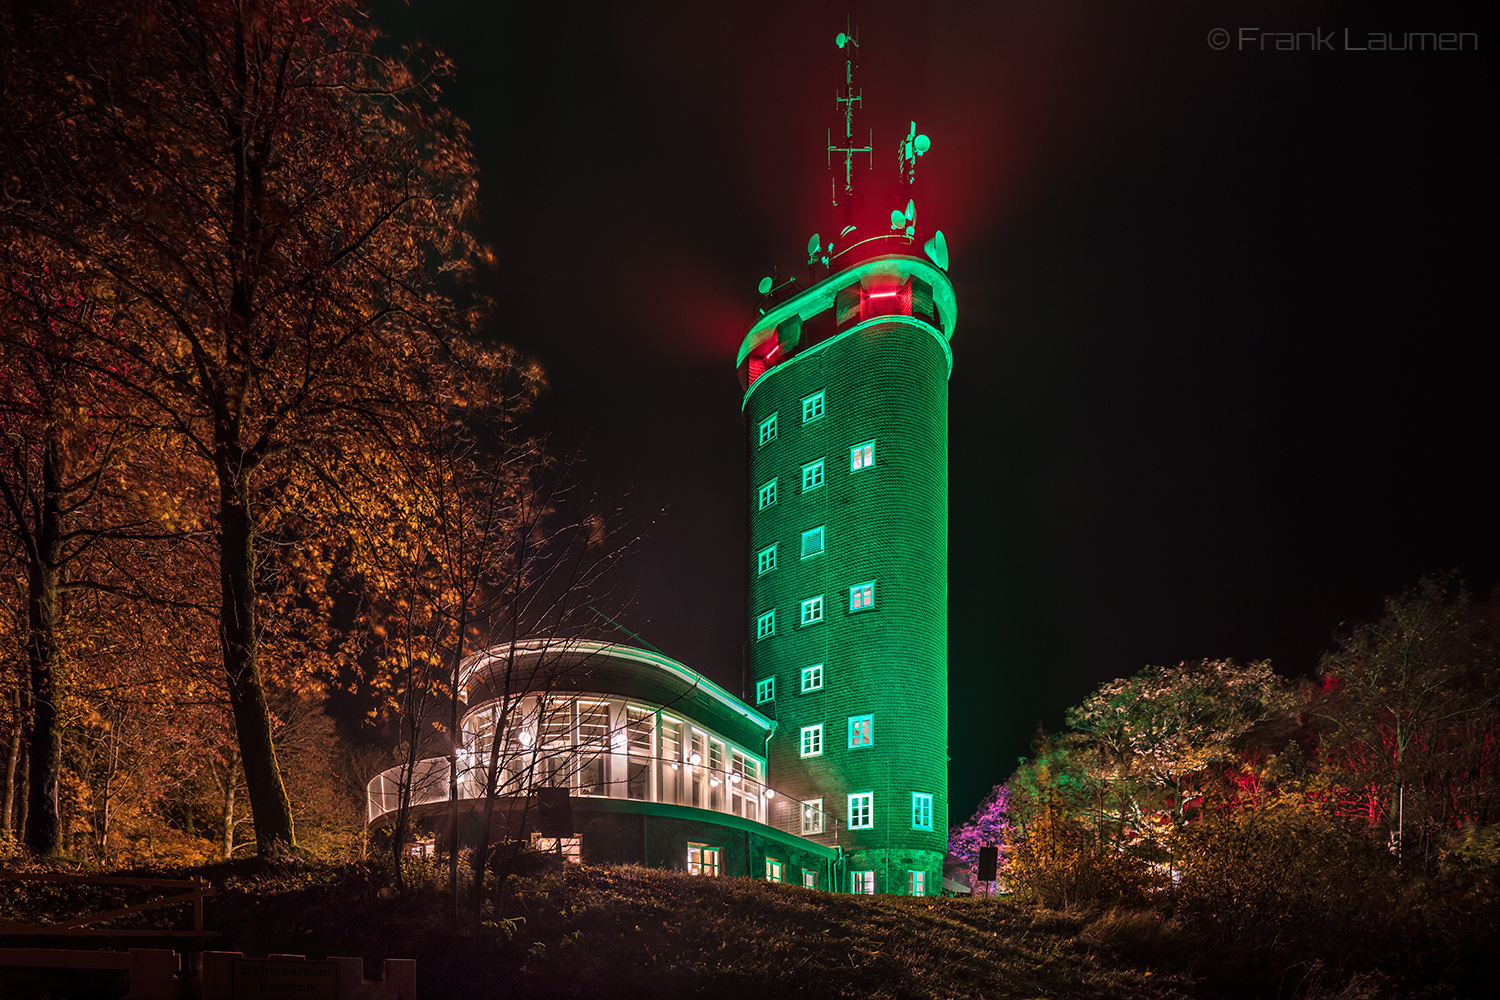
(263, 203)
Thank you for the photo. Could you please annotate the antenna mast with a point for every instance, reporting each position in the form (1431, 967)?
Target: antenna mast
(847, 99)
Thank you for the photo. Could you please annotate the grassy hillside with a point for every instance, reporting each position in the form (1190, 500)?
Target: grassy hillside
(633, 932)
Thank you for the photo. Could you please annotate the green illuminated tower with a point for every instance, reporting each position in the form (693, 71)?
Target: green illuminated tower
(846, 412)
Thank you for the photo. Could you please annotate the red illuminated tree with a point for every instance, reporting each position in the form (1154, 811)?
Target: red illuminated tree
(1412, 716)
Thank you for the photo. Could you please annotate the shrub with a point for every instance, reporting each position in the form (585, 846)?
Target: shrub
(1288, 877)
(1059, 864)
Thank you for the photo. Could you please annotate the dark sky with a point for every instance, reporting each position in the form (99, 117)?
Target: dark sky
(1222, 377)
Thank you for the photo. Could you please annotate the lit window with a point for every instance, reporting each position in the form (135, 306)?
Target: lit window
(812, 542)
(812, 407)
(862, 456)
(812, 610)
(703, 860)
(812, 678)
(812, 475)
(765, 690)
(768, 494)
(765, 560)
(812, 816)
(916, 883)
(765, 625)
(861, 730)
(862, 596)
(773, 871)
(768, 429)
(809, 879)
(921, 811)
(862, 883)
(812, 742)
(862, 811)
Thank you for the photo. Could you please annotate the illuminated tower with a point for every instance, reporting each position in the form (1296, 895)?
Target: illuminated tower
(846, 412)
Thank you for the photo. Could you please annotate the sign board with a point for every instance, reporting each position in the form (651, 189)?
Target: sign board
(284, 979)
(989, 858)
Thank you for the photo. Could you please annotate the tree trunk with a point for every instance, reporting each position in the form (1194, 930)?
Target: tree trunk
(12, 762)
(270, 808)
(226, 813)
(44, 732)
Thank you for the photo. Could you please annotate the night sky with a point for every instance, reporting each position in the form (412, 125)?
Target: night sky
(1225, 358)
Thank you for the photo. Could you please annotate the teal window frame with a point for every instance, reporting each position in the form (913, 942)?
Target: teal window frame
(861, 810)
(768, 494)
(921, 811)
(862, 596)
(816, 536)
(774, 870)
(862, 456)
(809, 879)
(767, 431)
(813, 817)
(710, 861)
(813, 407)
(812, 611)
(916, 882)
(862, 883)
(812, 678)
(765, 690)
(765, 560)
(765, 625)
(812, 476)
(812, 741)
(861, 731)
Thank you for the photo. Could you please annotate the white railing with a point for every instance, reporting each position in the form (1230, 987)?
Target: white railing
(612, 776)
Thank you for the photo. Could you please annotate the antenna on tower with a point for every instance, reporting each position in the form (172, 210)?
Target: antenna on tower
(846, 99)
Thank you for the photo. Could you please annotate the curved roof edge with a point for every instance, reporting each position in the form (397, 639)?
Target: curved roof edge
(908, 320)
(819, 297)
(611, 650)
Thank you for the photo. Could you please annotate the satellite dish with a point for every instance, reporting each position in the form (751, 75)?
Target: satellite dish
(922, 144)
(841, 39)
(898, 220)
(937, 249)
(812, 244)
(765, 285)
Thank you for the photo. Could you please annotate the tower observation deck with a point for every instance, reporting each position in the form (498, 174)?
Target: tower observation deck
(846, 415)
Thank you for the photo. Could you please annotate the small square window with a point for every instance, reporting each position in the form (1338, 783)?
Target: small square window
(862, 811)
(812, 816)
(768, 430)
(921, 811)
(765, 690)
(861, 730)
(862, 596)
(916, 883)
(773, 870)
(812, 542)
(862, 456)
(765, 625)
(812, 475)
(812, 678)
(812, 407)
(765, 560)
(812, 742)
(809, 879)
(768, 494)
(812, 610)
(862, 883)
